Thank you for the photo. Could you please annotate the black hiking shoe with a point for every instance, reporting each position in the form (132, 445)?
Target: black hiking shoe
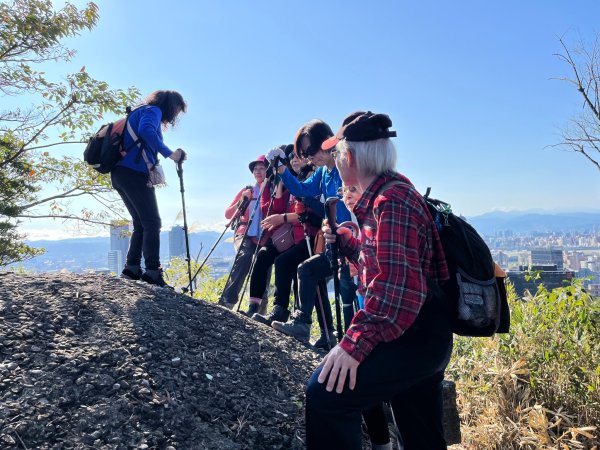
(279, 313)
(155, 277)
(322, 343)
(252, 309)
(296, 327)
(226, 304)
(132, 274)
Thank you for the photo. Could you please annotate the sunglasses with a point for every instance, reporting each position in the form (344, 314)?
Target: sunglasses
(309, 151)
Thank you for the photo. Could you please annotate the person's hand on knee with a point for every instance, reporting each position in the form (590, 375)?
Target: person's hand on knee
(338, 365)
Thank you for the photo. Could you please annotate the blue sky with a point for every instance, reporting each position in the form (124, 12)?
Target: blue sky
(468, 84)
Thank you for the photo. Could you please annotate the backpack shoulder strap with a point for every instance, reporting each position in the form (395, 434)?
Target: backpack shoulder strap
(388, 185)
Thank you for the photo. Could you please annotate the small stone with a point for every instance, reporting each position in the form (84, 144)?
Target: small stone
(170, 447)
(11, 366)
(35, 372)
(143, 446)
(35, 349)
(144, 391)
(97, 434)
(8, 439)
(176, 362)
(146, 383)
(116, 387)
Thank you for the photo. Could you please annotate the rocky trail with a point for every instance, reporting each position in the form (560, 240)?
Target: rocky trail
(89, 361)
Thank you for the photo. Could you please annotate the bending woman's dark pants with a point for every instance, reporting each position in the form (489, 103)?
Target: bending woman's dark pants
(140, 200)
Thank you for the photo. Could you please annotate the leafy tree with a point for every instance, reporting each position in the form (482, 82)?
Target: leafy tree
(60, 112)
(583, 133)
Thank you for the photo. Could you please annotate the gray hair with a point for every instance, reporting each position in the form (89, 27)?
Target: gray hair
(372, 157)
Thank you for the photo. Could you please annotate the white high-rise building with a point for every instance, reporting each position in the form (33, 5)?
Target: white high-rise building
(114, 261)
(177, 242)
(119, 241)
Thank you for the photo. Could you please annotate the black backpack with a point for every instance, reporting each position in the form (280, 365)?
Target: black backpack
(478, 301)
(106, 148)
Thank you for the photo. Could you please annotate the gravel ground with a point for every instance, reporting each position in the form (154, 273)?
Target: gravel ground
(89, 361)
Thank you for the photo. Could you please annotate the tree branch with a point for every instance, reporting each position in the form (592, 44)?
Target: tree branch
(54, 144)
(65, 217)
(48, 123)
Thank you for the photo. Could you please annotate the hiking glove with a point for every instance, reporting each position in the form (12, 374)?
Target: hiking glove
(274, 153)
(177, 155)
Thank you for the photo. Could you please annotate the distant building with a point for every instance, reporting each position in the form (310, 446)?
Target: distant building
(501, 258)
(549, 275)
(574, 260)
(543, 256)
(177, 242)
(114, 261)
(119, 241)
(594, 290)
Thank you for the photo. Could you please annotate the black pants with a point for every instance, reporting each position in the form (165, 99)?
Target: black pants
(259, 277)
(286, 267)
(239, 270)
(312, 273)
(407, 371)
(286, 264)
(140, 201)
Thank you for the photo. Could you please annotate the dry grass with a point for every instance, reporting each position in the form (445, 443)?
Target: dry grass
(536, 388)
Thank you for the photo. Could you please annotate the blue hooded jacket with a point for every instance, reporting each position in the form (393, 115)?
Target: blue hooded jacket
(145, 122)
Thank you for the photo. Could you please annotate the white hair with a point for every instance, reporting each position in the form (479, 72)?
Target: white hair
(371, 157)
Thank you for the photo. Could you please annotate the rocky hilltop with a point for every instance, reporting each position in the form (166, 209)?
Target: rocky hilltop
(98, 362)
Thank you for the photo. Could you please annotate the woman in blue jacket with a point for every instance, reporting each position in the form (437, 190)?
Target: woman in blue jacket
(131, 179)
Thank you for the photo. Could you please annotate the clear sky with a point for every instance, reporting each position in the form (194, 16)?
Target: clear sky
(468, 84)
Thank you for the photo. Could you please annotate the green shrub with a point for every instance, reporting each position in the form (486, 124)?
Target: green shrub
(539, 385)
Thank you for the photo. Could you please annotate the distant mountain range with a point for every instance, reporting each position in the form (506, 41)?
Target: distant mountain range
(534, 221)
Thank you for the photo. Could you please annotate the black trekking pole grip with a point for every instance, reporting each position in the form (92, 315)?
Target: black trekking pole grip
(179, 162)
(330, 210)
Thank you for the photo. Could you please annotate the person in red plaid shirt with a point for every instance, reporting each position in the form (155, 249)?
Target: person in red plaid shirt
(398, 346)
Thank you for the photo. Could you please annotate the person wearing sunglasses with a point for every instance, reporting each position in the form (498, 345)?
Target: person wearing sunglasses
(323, 183)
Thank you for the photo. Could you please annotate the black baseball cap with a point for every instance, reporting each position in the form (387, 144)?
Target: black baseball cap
(362, 126)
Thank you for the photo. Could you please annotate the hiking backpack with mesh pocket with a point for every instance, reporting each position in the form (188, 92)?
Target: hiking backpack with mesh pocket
(106, 148)
(478, 303)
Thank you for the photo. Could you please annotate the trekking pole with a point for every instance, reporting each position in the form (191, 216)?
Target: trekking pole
(330, 207)
(233, 223)
(319, 298)
(262, 231)
(185, 225)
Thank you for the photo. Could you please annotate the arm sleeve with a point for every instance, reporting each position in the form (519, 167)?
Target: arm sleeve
(280, 205)
(395, 295)
(231, 209)
(311, 187)
(149, 131)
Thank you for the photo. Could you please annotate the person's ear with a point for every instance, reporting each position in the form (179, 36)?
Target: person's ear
(350, 158)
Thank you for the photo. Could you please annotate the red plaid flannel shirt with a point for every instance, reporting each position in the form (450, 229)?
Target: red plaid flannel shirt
(398, 250)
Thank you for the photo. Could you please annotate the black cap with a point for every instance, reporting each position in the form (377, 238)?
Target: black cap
(361, 126)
